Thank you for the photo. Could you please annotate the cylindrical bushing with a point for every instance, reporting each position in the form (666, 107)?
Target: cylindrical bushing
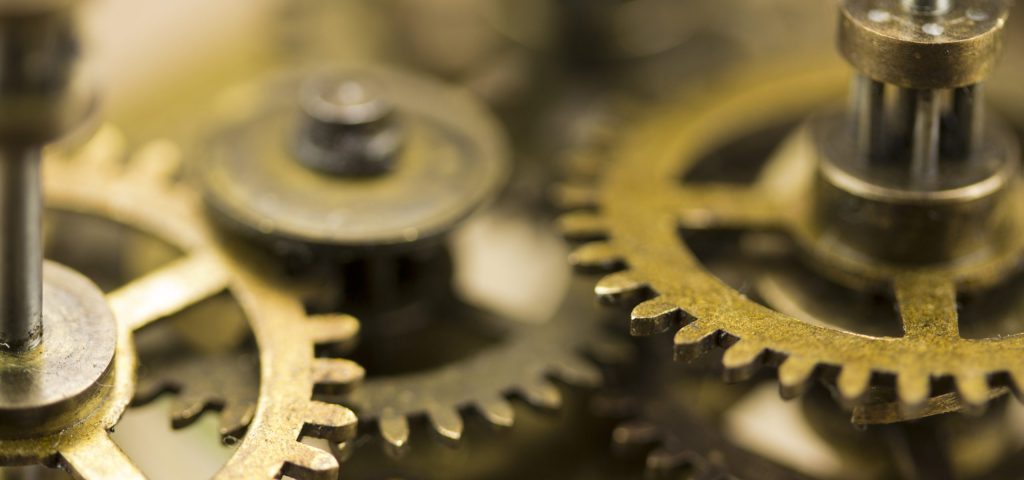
(913, 49)
(41, 94)
(864, 216)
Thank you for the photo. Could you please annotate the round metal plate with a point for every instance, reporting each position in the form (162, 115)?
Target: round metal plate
(72, 359)
(453, 160)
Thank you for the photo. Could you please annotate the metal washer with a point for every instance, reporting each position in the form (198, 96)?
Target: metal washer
(454, 159)
(46, 387)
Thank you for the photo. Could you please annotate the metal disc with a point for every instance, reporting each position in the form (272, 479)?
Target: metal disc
(72, 360)
(453, 159)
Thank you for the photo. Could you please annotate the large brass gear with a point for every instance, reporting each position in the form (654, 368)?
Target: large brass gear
(143, 195)
(631, 206)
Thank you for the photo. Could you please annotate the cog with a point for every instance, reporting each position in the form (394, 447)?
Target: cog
(629, 206)
(202, 381)
(143, 195)
(522, 365)
(679, 441)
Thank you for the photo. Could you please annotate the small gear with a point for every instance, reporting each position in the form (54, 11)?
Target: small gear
(201, 381)
(377, 165)
(143, 195)
(521, 364)
(679, 441)
(631, 205)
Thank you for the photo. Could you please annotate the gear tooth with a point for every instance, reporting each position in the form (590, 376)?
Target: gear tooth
(497, 411)
(742, 360)
(149, 388)
(572, 196)
(542, 394)
(187, 408)
(913, 388)
(235, 418)
(103, 151)
(620, 288)
(694, 340)
(157, 162)
(578, 372)
(394, 429)
(596, 256)
(973, 389)
(334, 376)
(612, 351)
(664, 461)
(447, 423)
(636, 433)
(795, 376)
(1017, 383)
(853, 382)
(582, 226)
(328, 421)
(306, 462)
(585, 163)
(333, 329)
(342, 451)
(653, 317)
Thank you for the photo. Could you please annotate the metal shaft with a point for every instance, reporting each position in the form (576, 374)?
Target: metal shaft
(928, 7)
(21, 257)
(969, 109)
(869, 108)
(924, 166)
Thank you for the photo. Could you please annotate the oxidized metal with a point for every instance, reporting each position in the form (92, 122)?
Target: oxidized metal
(46, 388)
(144, 196)
(949, 48)
(452, 160)
(522, 363)
(642, 206)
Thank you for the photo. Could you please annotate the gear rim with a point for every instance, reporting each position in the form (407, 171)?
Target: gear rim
(90, 181)
(636, 236)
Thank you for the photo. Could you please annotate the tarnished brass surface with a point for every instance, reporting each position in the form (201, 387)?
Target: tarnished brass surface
(46, 387)
(42, 93)
(452, 161)
(642, 206)
(521, 363)
(868, 233)
(946, 50)
(899, 296)
(143, 195)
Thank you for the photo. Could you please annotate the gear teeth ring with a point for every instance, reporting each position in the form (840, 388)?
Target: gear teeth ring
(145, 194)
(629, 215)
(523, 366)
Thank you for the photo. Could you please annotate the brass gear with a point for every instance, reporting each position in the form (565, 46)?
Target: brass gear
(522, 364)
(630, 206)
(144, 196)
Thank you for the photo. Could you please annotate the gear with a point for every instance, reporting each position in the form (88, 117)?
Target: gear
(90, 181)
(633, 213)
(522, 364)
(678, 440)
(223, 381)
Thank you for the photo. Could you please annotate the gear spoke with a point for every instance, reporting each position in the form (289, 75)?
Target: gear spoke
(707, 206)
(168, 290)
(98, 457)
(927, 306)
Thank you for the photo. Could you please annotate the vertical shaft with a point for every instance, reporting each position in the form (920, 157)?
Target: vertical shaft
(869, 108)
(968, 108)
(21, 258)
(924, 160)
(928, 7)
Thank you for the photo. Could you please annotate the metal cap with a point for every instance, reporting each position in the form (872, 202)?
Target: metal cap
(954, 45)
